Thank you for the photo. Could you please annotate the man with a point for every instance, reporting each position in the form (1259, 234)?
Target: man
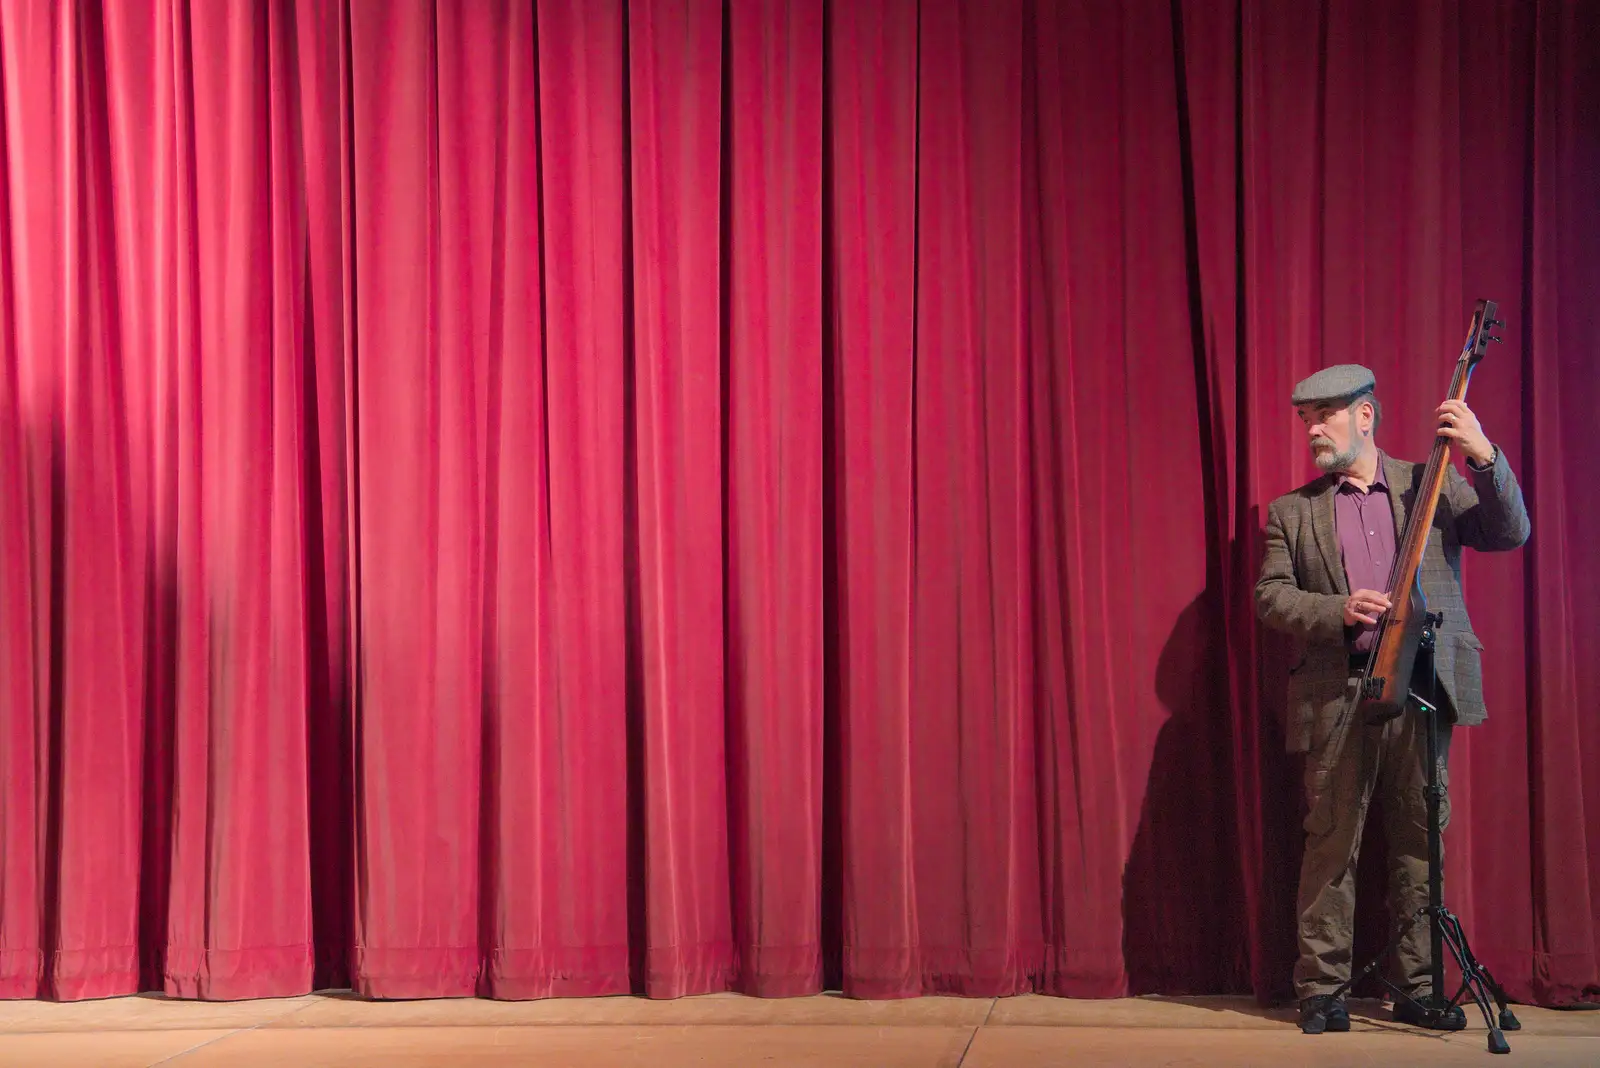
(1330, 546)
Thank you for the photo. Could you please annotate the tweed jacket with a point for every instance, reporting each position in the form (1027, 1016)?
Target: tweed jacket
(1302, 588)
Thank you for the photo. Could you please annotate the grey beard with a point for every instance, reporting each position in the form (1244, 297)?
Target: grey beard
(1336, 461)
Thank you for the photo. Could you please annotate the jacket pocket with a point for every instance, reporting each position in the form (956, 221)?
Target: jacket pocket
(1467, 673)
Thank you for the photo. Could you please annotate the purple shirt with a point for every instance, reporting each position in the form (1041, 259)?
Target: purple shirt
(1365, 524)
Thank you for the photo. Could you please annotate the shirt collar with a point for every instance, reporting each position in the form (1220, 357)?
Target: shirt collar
(1341, 480)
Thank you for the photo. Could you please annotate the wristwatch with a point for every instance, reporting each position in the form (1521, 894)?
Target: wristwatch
(1493, 456)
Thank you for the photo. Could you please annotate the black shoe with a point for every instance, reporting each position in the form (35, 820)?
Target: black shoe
(1322, 1013)
(1407, 1012)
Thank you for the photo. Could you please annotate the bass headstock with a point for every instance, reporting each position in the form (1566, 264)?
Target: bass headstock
(1479, 332)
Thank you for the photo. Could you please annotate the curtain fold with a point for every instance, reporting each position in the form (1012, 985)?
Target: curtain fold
(531, 499)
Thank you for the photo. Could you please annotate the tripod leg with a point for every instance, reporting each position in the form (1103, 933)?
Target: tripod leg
(1508, 1019)
(1399, 936)
(1472, 980)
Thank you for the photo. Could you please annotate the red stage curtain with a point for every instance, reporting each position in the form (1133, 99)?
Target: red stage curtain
(584, 496)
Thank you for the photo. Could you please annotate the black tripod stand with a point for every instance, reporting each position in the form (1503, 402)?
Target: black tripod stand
(1446, 927)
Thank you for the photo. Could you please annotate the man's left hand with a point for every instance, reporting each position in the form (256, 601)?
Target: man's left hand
(1457, 422)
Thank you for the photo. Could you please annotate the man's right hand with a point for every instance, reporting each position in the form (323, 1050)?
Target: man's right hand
(1365, 606)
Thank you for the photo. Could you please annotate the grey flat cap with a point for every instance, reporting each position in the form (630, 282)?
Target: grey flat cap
(1340, 382)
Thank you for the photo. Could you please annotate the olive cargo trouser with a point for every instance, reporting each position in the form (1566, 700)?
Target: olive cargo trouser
(1342, 774)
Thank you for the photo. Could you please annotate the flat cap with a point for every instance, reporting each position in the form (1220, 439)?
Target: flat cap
(1339, 382)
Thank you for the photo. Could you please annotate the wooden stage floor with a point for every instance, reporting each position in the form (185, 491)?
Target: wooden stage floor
(728, 1029)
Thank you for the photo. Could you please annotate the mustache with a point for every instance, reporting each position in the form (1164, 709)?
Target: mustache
(1322, 441)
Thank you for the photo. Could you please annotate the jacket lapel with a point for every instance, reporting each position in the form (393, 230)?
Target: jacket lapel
(1327, 538)
(1399, 477)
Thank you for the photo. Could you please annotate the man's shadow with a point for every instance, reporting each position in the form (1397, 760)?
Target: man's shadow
(1210, 884)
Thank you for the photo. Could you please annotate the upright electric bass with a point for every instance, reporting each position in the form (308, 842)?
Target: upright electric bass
(1386, 680)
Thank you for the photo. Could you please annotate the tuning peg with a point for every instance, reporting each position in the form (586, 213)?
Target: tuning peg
(1492, 323)
(1491, 337)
